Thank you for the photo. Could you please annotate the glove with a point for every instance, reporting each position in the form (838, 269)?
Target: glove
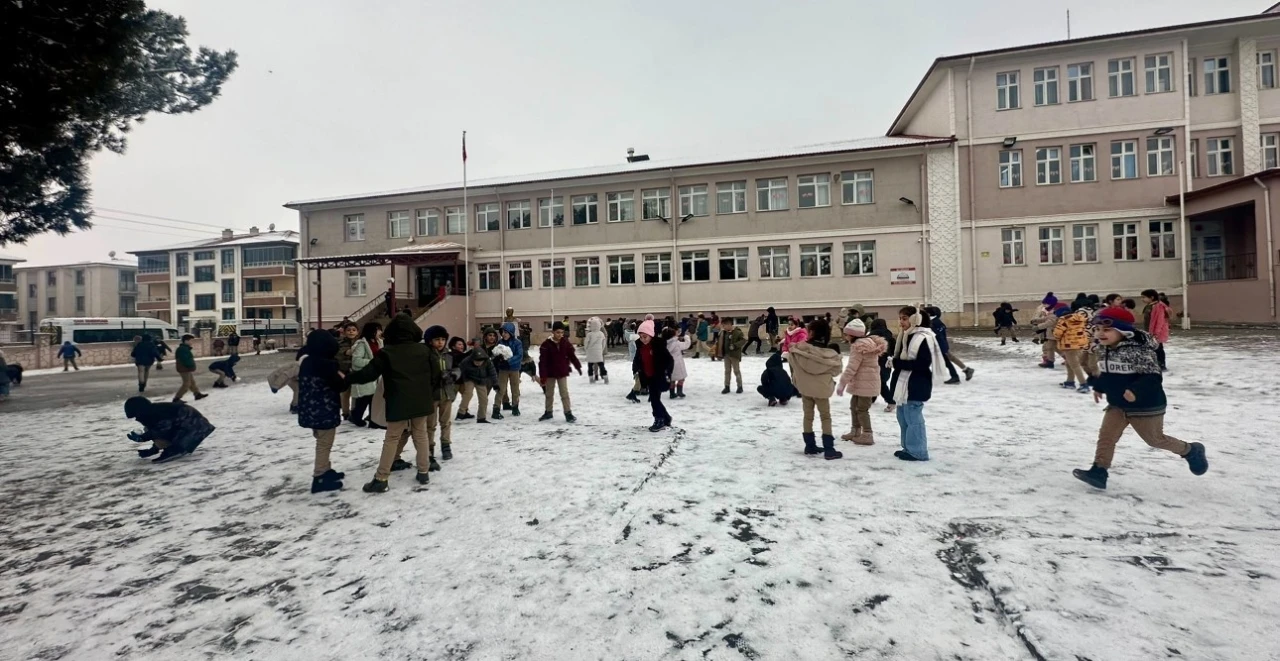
(135, 437)
(840, 391)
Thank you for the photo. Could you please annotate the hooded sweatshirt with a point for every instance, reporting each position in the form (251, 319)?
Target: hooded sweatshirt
(68, 350)
(814, 365)
(319, 383)
(861, 375)
(595, 340)
(412, 375)
(516, 347)
(472, 370)
(775, 383)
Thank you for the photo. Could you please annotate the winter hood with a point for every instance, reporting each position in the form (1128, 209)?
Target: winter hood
(509, 328)
(594, 325)
(136, 406)
(774, 361)
(402, 330)
(869, 345)
(815, 360)
(321, 344)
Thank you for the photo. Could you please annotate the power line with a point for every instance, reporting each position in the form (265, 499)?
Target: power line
(145, 223)
(174, 220)
(151, 229)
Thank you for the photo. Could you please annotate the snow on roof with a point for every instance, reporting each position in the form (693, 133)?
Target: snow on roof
(119, 262)
(282, 236)
(412, 249)
(10, 258)
(840, 146)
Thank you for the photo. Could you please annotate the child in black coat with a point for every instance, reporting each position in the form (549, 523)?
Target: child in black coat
(319, 404)
(775, 383)
(174, 429)
(1006, 324)
(225, 369)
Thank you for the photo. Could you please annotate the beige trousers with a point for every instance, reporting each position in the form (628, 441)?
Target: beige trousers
(1074, 371)
(861, 411)
(563, 384)
(1048, 349)
(508, 387)
(468, 389)
(423, 432)
(188, 384)
(324, 445)
(824, 413)
(1150, 428)
(444, 414)
(346, 403)
(732, 366)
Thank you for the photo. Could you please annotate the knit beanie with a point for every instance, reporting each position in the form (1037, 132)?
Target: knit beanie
(646, 328)
(1118, 318)
(1050, 301)
(855, 328)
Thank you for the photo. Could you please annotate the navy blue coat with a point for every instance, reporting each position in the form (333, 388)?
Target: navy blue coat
(319, 383)
(940, 331)
(775, 383)
(227, 366)
(145, 352)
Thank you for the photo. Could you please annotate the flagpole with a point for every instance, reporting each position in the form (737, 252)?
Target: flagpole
(552, 214)
(466, 241)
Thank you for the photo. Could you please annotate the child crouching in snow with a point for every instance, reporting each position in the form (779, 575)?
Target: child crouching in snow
(1129, 376)
(174, 429)
(775, 383)
(319, 404)
(813, 364)
(225, 369)
(862, 378)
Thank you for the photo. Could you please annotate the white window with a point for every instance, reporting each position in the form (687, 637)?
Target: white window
(731, 197)
(858, 187)
(1219, 155)
(1084, 244)
(771, 194)
(520, 275)
(1080, 82)
(1083, 163)
(455, 220)
(1010, 168)
(551, 208)
(655, 203)
(428, 222)
(693, 200)
(1159, 156)
(488, 217)
(1163, 239)
(1159, 70)
(622, 206)
(586, 271)
(490, 276)
(695, 266)
(814, 190)
(552, 273)
(1046, 86)
(357, 282)
(1217, 75)
(733, 263)
(1015, 253)
(398, 224)
(775, 263)
(1052, 246)
(355, 227)
(1195, 158)
(519, 215)
(1120, 77)
(1270, 150)
(585, 210)
(1124, 241)
(815, 260)
(622, 269)
(1266, 69)
(657, 268)
(859, 257)
(1048, 166)
(1007, 90)
(1124, 159)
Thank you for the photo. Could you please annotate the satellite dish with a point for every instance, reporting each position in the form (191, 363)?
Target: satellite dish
(271, 227)
(112, 254)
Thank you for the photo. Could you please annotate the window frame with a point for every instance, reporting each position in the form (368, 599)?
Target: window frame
(1013, 166)
(815, 252)
(521, 269)
(618, 265)
(590, 204)
(354, 227)
(547, 271)
(552, 203)
(208, 270)
(770, 257)
(1120, 242)
(689, 261)
(1080, 244)
(1077, 162)
(1214, 154)
(770, 188)
(1115, 79)
(524, 215)
(452, 216)
(228, 266)
(849, 183)
(183, 293)
(1151, 72)
(488, 217)
(858, 250)
(362, 278)
(1133, 153)
(688, 200)
(422, 222)
(197, 256)
(819, 182)
(228, 288)
(1013, 246)
(204, 302)
(736, 192)
(399, 217)
(1263, 66)
(660, 260)
(487, 275)
(1046, 242)
(621, 209)
(1274, 148)
(1076, 92)
(740, 258)
(1044, 166)
(1164, 151)
(591, 266)
(1195, 158)
(1158, 232)
(655, 201)
(1045, 86)
(1008, 94)
(1212, 76)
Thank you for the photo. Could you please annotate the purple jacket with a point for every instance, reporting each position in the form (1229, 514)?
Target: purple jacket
(554, 359)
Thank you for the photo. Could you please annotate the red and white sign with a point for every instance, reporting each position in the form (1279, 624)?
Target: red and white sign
(903, 276)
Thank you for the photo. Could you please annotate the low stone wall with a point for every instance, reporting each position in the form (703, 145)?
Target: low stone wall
(45, 355)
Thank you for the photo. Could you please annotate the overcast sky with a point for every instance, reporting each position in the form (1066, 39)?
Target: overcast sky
(336, 97)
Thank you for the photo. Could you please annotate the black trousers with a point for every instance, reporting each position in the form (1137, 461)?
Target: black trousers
(758, 342)
(1160, 355)
(597, 370)
(655, 401)
(359, 406)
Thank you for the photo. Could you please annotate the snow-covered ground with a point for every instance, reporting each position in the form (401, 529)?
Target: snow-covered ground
(716, 540)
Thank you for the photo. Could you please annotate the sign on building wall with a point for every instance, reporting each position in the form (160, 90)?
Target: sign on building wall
(903, 276)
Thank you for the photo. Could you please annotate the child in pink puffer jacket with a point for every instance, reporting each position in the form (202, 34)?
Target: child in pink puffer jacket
(861, 378)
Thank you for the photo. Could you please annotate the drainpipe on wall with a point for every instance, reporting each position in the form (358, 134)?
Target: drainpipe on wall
(1271, 253)
(675, 235)
(502, 250)
(924, 234)
(1186, 241)
(973, 217)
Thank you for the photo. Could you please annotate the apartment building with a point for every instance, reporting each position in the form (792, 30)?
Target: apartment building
(82, 289)
(221, 281)
(8, 292)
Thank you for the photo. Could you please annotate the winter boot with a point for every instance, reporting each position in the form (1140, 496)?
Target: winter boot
(773, 402)
(658, 425)
(545, 417)
(424, 478)
(446, 451)
(671, 392)
(968, 374)
(506, 406)
(1095, 477)
(435, 465)
(829, 448)
(496, 414)
(680, 391)
(400, 465)
(149, 452)
(1015, 339)
(515, 410)
(142, 387)
(1002, 341)
(851, 436)
(1196, 459)
(375, 486)
(810, 446)
(725, 391)
(867, 438)
(333, 475)
(569, 417)
(482, 421)
(739, 388)
(320, 484)
(631, 397)
(462, 415)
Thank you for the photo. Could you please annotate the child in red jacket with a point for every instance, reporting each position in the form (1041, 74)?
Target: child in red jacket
(554, 358)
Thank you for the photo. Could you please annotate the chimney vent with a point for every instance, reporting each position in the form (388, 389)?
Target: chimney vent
(253, 231)
(227, 234)
(632, 157)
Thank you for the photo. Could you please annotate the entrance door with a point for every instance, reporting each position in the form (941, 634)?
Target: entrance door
(1207, 254)
(432, 278)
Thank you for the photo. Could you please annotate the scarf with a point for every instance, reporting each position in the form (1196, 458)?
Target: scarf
(909, 347)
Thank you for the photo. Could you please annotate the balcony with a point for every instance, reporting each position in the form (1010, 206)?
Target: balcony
(270, 299)
(152, 274)
(268, 270)
(8, 286)
(1226, 267)
(8, 314)
(153, 304)
(128, 288)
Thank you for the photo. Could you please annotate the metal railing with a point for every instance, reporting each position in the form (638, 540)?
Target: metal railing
(8, 281)
(1226, 267)
(267, 294)
(270, 262)
(128, 288)
(143, 270)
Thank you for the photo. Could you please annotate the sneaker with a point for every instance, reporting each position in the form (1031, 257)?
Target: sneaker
(1084, 388)
(569, 417)
(400, 465)
(952, 381)
(320, 485)
(435, 465)
(178, 400)
(1095, 477)
(149, 452)
(375, 486)
(201, 396)
(446, 451)
(463, 416)
(545, 417)
(968, 374)
(424, 478)
(1069, 385)
(220, 385)
(658, 425)
(1196, 460)
(1046, 364)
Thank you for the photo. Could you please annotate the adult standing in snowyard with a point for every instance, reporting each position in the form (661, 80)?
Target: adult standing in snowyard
(554, 358)
(144, 356)
(186, 366)
(233, 343)
(917, 364)
(653, 366)
(174, 429)
(319, 385)
(814, 363)
(68, 353)
(729, 346)
(676, 345)
(595, 344)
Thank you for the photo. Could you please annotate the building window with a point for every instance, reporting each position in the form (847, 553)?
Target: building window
(814, 190)
(655, 203)
(1266, 69)
(1219, 153)
(79, 305)
(622, 206)
(1124, 159)
(586, 272)
(79, 277)
(815, 260)
(520, 275)
(455, 220)
(272, 255)
(183, 265)
(1083, 164)
(1014, 251)
(205, 274)
(1010, 168)
(1159, 156)
(775, 263)
(622, 269)
(488, 217)
(355, 227)
(585, 211)
(549, 209)
(693, 201)
(1270, 150)
(771, 194)
(1048, 166)
(858, 187)
(51, 278)
(489, 276)
(153, 263)
(1195, 158)
(553, 276)
(1163, 239)
(128, 306)
(428, 222)
(1052, 246)
(229, 290)
(731, 197)
(398, 225)
(1007, 90)
(31, 291)
(1125, 241)
(205, 302)
(51, 305)
(733, 264)
(859, 257)
(657, 268)
(1120, 77)
(695, 266)
(1046, 86)
(228, 314)
(184, 293)
(519, 215)
(1159, 70)
(1080, 82)
(1217, 75)
(356, 282)
(229, 261)
(204, 256)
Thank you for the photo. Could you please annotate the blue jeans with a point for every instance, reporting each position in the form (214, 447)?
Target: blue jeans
(911, 423)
